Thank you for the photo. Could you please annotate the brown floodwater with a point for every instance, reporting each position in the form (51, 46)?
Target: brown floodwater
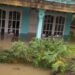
(6, 43)
(18, 69)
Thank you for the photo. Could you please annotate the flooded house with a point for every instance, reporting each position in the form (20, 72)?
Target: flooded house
(25, 19)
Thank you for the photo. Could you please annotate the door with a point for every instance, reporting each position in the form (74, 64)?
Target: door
(53, 25)
(2, 23)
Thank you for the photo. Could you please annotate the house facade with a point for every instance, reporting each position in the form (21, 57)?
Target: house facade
(35, 18)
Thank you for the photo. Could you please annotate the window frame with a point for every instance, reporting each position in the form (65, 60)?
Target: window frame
(7, 18)
(54, 22)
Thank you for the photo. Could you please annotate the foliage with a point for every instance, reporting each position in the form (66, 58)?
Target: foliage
(3, 56)
(15, 54)
(71, 36)
(48, 52)
(73, 68)
(71, 47)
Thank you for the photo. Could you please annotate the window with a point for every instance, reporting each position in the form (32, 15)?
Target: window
(53, 25)
(59, 26)
(9, 22)
(47, 28)
(2, 23)
(14, 22)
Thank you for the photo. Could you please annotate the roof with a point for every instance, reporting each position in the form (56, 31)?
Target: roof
(54, 5)
(63, 1)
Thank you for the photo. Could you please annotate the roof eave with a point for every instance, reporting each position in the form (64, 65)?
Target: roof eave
(44, 5)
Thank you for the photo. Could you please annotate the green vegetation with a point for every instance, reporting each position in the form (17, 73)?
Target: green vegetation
(48, 53)
(72, 36)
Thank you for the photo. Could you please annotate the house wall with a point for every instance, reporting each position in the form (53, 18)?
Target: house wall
(68, 25)
(24, 27)
(25, 23)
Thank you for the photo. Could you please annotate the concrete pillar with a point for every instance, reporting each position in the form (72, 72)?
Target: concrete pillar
(41, 15)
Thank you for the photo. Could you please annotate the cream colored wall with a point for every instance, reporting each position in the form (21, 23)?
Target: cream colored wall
(33, 21)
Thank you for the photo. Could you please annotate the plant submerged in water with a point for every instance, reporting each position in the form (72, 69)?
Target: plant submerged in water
(48, 52)
(51, 53)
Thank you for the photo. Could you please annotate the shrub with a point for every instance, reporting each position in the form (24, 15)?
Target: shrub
(18, 50)
(71, 36)
(49, 52)
(4, 56)
(17, 53)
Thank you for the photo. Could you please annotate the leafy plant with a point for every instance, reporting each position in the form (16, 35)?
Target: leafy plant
(51, 53)
(48, 52)
(18, 50)
(3, 56)
(17, 53)
(71, 36)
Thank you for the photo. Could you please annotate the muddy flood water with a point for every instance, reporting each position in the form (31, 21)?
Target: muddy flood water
(18, 69)
(6, 43)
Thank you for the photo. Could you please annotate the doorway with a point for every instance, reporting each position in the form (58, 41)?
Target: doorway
(33, 22)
